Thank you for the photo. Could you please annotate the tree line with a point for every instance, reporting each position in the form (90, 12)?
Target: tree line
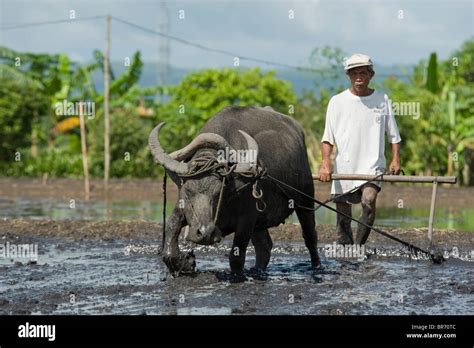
(39, 94)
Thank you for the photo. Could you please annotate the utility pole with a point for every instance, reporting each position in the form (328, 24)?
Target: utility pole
(106, 105)
(84, 152)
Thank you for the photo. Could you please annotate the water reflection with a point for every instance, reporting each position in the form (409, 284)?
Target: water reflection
(445, 217)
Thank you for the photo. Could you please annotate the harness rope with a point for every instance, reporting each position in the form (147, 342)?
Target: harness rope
(203, 165)
(412, 248)
(343, 194)
(164, 212)
(208, 163)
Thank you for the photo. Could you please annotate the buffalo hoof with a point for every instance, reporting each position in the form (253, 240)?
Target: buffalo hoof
(316, 263)
(318, 267)
(258, 273)
(232, 277)
(237, 277)
(181, 264)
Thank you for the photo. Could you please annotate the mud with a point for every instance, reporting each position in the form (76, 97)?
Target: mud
(91, 265)
(147, 230)
(88, 267)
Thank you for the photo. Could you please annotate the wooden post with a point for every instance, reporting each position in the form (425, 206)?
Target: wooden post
(84, 151)
(432, 211)
(106, 104)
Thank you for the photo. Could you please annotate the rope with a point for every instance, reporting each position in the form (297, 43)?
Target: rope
(412, 248)
(164, 213)
(342, 195)
(219, 201)
(347, 193)
(204, 164)
(208, 163)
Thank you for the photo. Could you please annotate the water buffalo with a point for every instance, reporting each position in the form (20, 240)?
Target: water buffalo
(278, 144)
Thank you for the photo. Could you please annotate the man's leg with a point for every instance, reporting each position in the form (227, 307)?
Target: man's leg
(369, 198)
(344, 231)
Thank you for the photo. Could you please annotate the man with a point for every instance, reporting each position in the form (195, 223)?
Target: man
(356, 122)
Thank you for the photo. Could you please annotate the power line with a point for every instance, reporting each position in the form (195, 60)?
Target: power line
(174, 38)
(233, 54)
(35, 24)
(188, 43)
(217, 50)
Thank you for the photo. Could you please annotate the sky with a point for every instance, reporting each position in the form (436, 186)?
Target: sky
(391, 32)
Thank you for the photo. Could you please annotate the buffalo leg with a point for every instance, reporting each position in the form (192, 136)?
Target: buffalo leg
(177, 262)
(308, 225)
(263, 244)
(240, 244)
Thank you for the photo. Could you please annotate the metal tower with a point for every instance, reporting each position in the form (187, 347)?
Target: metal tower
(164, 45)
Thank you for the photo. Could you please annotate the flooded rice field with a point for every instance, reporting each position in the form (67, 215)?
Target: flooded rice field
(52, 208)
(89, 275)
(102, 257)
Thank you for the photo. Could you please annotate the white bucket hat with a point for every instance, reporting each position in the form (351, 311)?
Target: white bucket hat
(357, 60)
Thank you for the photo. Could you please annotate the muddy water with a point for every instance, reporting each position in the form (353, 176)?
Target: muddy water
(460, 219)
(126, 277)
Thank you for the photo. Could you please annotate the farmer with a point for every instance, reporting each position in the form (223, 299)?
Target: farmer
(356, 122)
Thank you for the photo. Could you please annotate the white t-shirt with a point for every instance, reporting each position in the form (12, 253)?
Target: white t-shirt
(357, 125)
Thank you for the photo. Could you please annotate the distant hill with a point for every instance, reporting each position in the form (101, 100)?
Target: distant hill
(300, 80)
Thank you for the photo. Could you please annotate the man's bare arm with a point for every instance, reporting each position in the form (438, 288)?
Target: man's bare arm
(395, 165)
(326, 167)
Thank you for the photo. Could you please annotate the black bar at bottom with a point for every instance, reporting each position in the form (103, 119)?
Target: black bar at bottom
(262, 330)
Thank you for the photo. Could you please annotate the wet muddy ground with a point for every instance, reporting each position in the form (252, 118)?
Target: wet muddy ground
(86, 267)
(88, 264)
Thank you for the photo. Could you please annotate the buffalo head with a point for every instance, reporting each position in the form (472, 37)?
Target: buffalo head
(199, 195)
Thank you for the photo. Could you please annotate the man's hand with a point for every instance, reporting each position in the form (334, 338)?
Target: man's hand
(325, 171)
(395, 166)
